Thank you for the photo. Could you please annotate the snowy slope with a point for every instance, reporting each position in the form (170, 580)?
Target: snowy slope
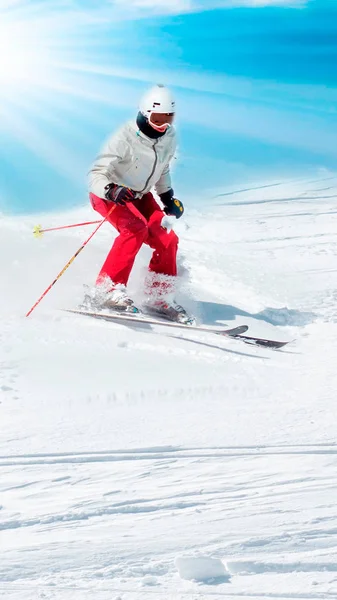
(128, 454)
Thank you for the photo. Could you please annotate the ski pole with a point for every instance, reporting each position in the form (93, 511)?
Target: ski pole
(70, 261)
(38, 231)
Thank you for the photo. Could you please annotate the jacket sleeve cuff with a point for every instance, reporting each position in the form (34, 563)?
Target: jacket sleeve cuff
(97, 186)
(167, 196)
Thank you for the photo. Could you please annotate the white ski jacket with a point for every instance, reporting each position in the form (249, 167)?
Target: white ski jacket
(132, 159)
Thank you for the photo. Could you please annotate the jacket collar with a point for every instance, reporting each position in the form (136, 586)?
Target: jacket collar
(169, 134)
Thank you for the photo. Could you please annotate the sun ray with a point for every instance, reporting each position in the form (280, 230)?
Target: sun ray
(39, 97)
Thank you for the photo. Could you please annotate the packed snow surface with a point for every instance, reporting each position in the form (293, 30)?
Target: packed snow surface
(141, 462)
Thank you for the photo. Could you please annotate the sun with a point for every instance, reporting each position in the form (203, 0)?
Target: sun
(52, 95)
(41, 88)
(24, 52)
(38, 42)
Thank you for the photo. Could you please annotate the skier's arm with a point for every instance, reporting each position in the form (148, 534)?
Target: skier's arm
(163, 187)
(164, 183)
(103, 170)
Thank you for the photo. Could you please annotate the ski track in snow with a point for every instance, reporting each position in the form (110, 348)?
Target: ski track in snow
(122, 450)
(216, 495)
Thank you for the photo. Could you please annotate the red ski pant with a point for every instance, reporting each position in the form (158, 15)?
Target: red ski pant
(137, 222)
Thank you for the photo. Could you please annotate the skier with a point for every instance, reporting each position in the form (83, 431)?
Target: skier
(134, 160)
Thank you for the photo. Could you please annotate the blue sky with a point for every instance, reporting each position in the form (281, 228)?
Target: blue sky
(255, 81)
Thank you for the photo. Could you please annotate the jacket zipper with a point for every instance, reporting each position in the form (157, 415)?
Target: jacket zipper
(153, 168)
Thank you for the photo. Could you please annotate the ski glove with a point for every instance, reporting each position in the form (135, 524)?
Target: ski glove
(119, 194)
(173, 206)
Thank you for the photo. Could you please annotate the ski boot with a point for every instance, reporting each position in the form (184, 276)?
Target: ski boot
(170, 311)
(116, 299)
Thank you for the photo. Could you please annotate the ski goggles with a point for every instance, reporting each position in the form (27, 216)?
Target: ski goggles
(161, 121)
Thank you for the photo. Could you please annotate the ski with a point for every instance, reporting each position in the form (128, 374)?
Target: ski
(254, 341)
(236, 332)
(137, 318)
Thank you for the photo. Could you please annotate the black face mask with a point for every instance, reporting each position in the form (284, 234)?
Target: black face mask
(146, 128)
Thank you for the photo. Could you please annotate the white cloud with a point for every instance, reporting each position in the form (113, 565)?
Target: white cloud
(158, 5)
(183, 6)
(261, 3)
(126, 10)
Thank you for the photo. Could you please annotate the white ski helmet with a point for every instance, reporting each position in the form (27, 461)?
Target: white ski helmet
(157, 100)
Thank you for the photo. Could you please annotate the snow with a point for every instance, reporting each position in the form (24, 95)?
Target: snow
(152, 463)
(202, 568)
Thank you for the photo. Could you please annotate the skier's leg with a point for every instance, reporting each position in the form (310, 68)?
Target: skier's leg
(164, 243)
(164, 257)
(132, 233)
(161, 284)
